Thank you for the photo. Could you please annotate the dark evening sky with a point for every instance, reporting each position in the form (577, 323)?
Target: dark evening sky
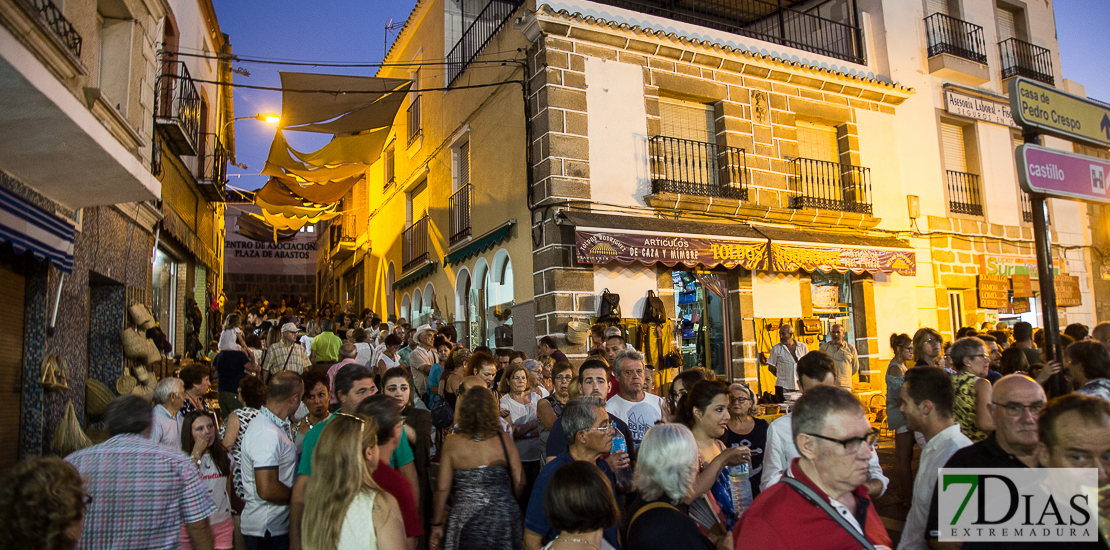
(354, 31)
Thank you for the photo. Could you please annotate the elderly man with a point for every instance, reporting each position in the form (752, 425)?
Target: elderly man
(270, 465)
(638, 409)
(783, 361)
(927, 400)
(142, 492)
(1017, 399)
(325, 346)
(824, 496)
(591, 435)
(165, 429)
(287, 354)
(814, 369)
(422, 358)
(1101, 333)
(1074, 432)
(844, 356)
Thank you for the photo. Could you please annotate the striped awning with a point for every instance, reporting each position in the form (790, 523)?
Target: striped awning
(28, 227)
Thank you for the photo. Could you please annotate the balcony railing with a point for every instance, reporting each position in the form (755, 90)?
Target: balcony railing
(768, 20)
(1026, 206)
(460, 214)
(177, 107)
(964, 196)
(415, 244)
(52, 17)
(1021, 58)
(415, 128)
(212, 168)
(691, 167)
(474, 39)
(952, 36)
(828, 185)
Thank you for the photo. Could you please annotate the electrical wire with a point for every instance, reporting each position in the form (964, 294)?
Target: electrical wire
(338, 92)
(300, 63)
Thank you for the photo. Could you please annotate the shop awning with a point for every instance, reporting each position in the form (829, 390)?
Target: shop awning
(419, 273)
(480, 244)
(28, 227)
(603, 238)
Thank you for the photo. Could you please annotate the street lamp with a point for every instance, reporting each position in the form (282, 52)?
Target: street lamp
(269, 118)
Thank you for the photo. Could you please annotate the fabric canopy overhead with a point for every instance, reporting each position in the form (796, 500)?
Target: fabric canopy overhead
(294, 210)
(319, 194)
(281, 222)
(350, 103)
(254, 227)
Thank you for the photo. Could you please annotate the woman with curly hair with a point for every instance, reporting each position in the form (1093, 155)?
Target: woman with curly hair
(198, 438)
(344, 508)
(480, 469)
(43, 505)
(252, 394)
(197, 379)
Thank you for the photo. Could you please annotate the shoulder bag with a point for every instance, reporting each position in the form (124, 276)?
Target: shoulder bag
(824, 505)
(610, 307)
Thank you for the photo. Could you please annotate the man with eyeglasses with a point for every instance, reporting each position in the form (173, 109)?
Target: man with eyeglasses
(593, 381)
(587, 427)
(815, 369)
(1016, 402)
(926, 402)
(824, 495)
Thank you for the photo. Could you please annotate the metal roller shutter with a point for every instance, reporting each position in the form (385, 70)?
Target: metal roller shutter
(952, 146)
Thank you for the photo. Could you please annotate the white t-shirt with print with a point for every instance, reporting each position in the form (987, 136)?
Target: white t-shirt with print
(639, 415)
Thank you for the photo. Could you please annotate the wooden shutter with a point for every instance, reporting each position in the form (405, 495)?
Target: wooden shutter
(11, 365)
(687, 120)
(1006, 27)
(817, 141)
(952, 147)
(464, 166)
(418, 201)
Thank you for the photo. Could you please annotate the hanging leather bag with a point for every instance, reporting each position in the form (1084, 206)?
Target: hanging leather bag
(654, 310)
(610, 307)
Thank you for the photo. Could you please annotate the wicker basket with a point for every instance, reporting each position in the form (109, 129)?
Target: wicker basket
(125, 383)
(69, 436)
(140, 316)
(152, 354)
(577, 332)
(134, 345)
(97, 397)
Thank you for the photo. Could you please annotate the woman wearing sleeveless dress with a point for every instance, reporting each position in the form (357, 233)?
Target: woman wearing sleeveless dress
(480, 469)
(344, 508)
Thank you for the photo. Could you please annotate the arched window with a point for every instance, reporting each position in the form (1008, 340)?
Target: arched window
(390, 298)
(406, 304)
(500, 301)
(417, 318)
(462, 307)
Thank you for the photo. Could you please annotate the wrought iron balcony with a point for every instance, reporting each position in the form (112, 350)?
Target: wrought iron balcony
(460, 214)
(212, 168)
(691, 167)
(1020, 58)
(1026, 206)
(341, 240)
(414, 244)
(956, 37)
(778, 21)
(415, 128)
(51, 16)
(964, 195)
(474, 39)
(828, 185)
(177, 107)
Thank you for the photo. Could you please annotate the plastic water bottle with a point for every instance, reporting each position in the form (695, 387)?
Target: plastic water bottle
(740, 483)
(623, 475)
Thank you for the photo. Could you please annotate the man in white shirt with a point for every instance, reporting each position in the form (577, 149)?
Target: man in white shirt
(165, 426)
(927, 399)
(783, 361)
(636, 408)
(270, 465)
(814, 369)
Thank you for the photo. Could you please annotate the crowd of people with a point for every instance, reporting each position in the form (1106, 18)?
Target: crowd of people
(349, 432)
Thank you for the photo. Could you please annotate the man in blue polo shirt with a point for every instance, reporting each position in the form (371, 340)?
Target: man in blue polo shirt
(590, 434)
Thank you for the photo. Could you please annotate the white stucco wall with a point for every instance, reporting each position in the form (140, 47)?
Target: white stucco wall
(632, 282)
(617, 124)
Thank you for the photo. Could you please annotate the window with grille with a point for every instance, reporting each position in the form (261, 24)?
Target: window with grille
(817, 141)
(953, 147)
(687, 120)
(390, 166)
(418, 202)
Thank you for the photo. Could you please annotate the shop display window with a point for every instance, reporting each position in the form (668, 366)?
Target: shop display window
(164, 291)
(700, 305)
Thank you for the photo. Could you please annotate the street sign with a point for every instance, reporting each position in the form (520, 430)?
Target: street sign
(1050, 111)
(1058, 174)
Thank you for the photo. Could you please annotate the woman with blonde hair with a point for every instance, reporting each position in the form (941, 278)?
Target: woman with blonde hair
(344, 508)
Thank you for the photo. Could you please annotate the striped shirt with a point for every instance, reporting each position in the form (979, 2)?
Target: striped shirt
(142, 493)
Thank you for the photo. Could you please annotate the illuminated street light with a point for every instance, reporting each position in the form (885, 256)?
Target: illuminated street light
(269, 118)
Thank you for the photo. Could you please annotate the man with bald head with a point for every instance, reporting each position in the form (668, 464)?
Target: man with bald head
(844, 356)
(1016, 402)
